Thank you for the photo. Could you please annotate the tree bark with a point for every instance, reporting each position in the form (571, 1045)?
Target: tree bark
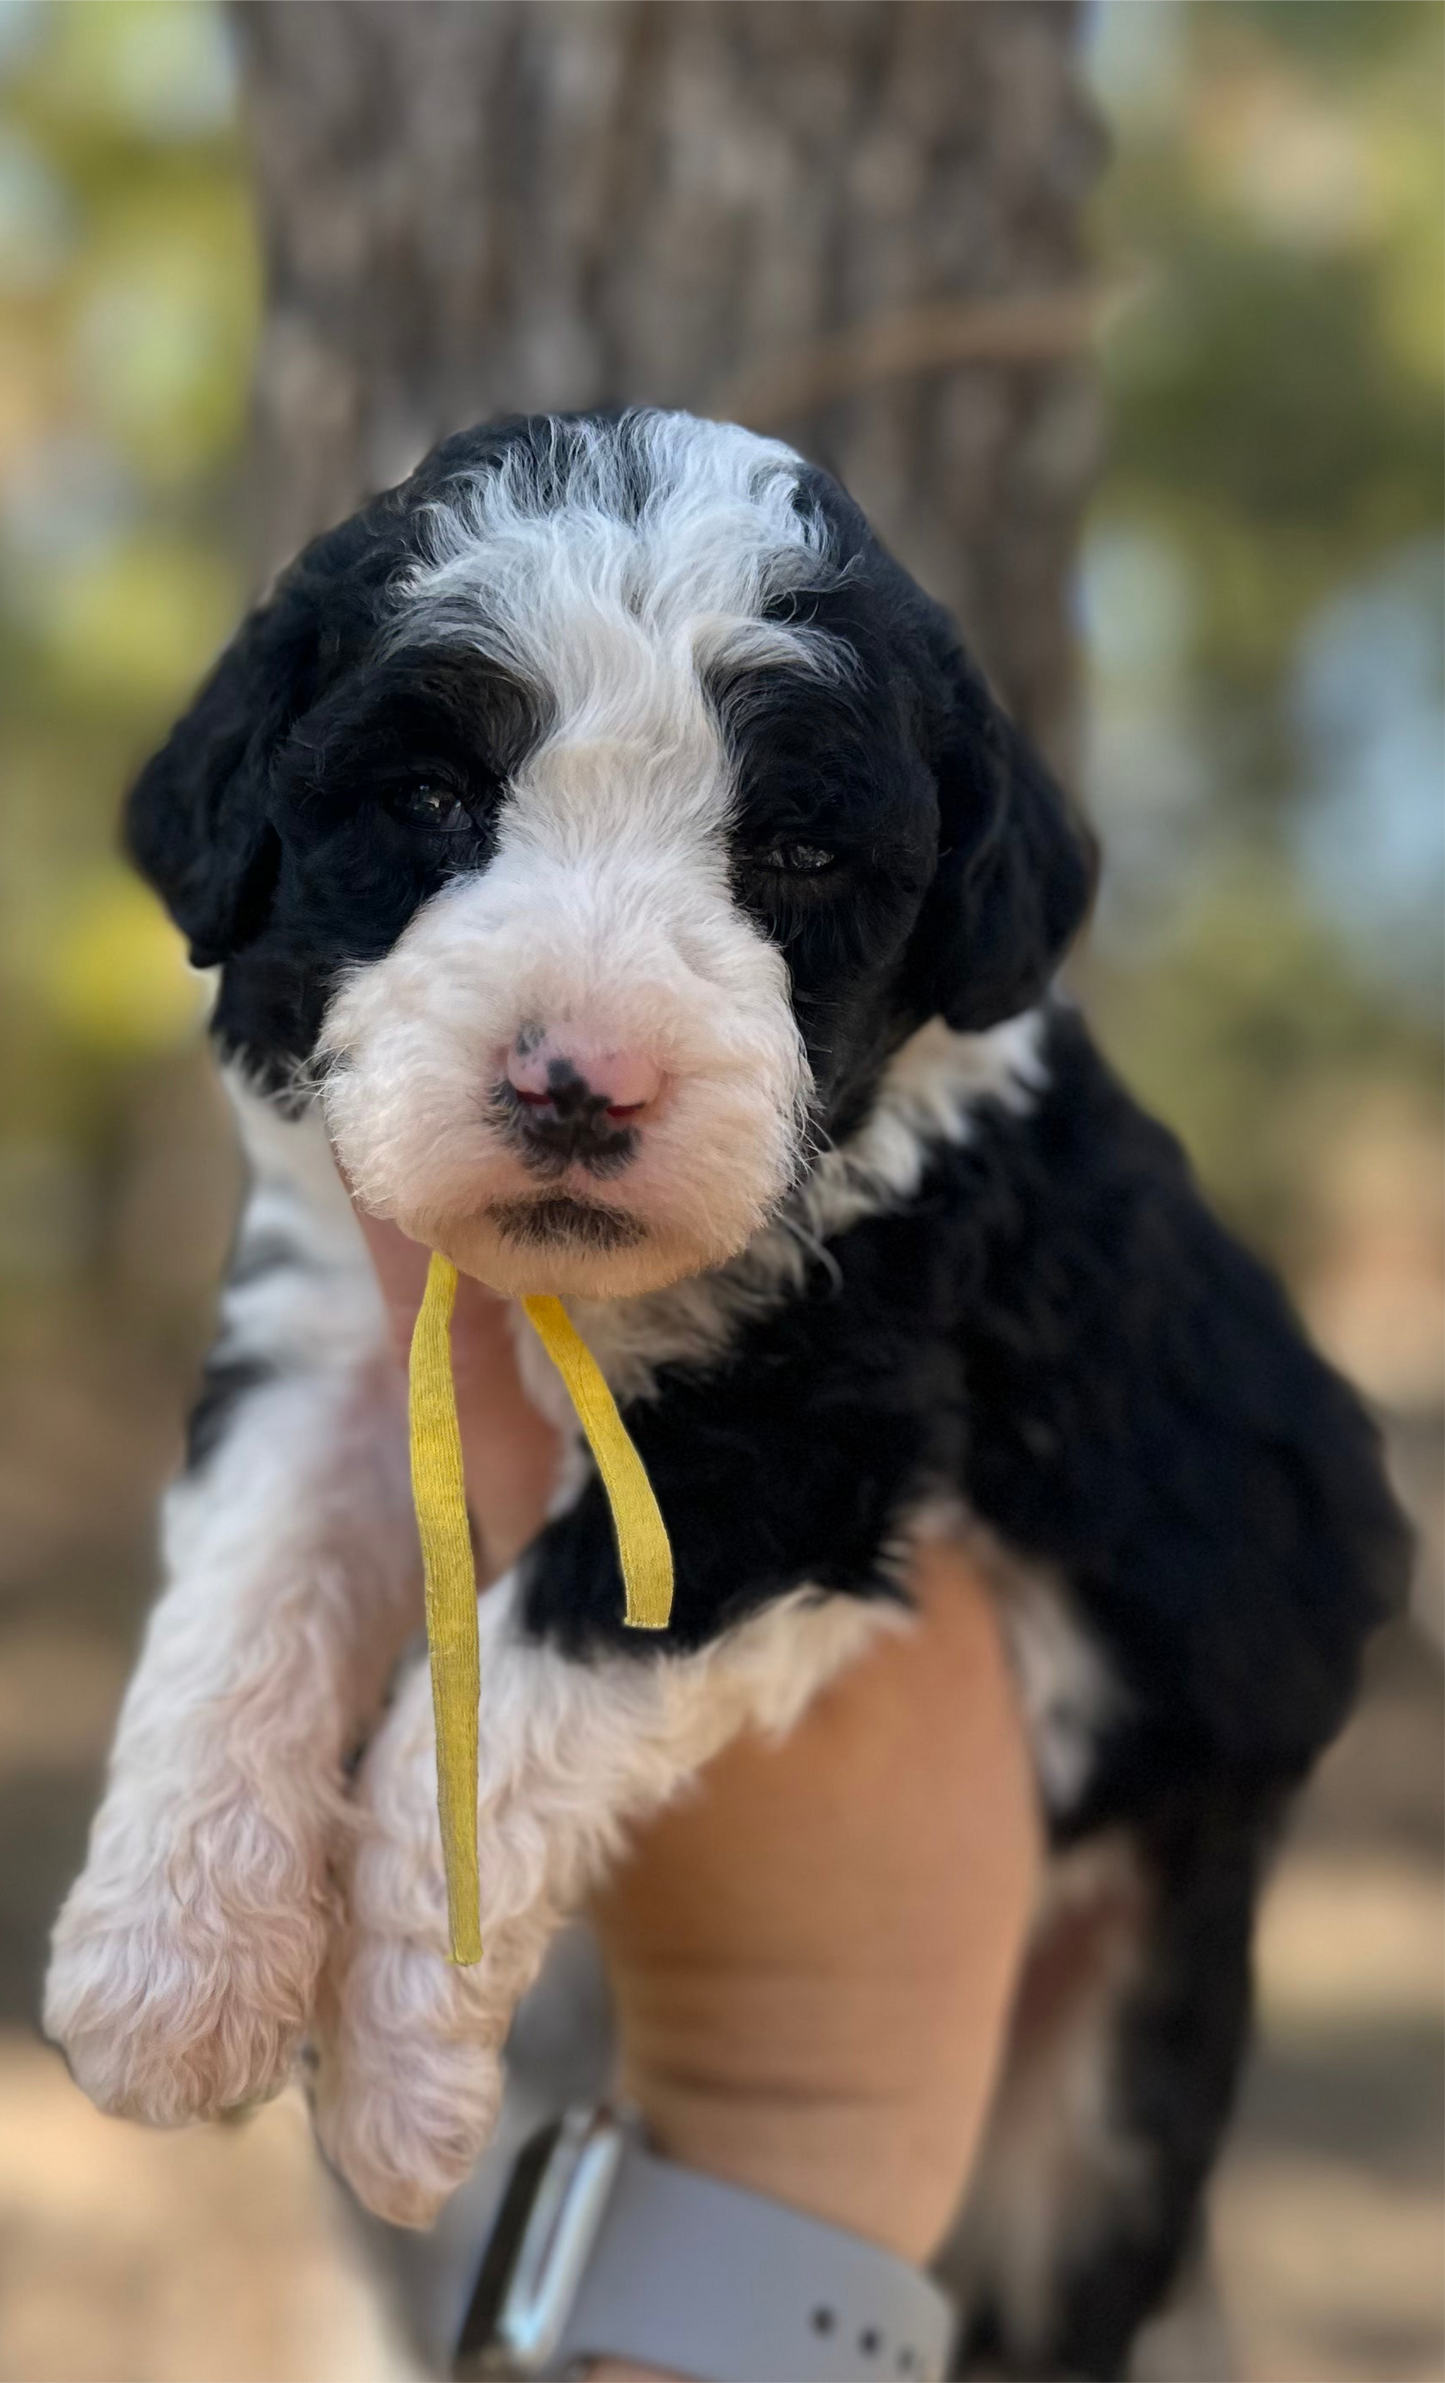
(852, 222)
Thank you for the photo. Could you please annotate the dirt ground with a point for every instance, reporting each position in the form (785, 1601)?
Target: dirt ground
(225, 2255)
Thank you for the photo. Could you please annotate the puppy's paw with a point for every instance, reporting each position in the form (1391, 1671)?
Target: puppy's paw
(407, 2080)
(178, 1990)
(405, 2092)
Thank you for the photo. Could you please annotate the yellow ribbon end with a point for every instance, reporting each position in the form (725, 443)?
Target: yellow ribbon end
(439, 1492)
(643, 1549)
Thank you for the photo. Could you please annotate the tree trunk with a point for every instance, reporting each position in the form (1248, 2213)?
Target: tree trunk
(853, 222)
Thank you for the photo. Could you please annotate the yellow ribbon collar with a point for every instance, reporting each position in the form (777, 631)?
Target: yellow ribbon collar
(439, 1492)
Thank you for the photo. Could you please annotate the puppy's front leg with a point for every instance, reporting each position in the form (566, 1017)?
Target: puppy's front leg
(572, 1752)
(186, 1955)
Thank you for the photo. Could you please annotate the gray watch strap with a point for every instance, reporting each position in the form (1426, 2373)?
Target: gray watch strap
(698, 2278)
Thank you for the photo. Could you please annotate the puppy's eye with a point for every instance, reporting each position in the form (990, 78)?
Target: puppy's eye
(797, 860)
(427, 803)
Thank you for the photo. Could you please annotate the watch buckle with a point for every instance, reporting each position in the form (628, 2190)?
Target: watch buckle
(540, 2246)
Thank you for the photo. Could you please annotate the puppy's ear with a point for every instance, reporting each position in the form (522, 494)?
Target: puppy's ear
(196, 822)
(1016, 866)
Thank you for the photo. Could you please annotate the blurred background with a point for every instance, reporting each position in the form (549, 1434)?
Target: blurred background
(1237, 359)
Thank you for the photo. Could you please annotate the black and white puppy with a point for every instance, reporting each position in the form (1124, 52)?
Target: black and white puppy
(613, 858)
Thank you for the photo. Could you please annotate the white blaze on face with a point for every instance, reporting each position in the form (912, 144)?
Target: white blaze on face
(606, 911)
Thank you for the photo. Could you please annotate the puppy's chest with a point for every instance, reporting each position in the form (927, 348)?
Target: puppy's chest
(632, 1342)
(768, 1413)
(691, 1327)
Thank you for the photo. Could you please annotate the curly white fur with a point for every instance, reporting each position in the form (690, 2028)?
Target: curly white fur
(185, 1958)
(571, 1754)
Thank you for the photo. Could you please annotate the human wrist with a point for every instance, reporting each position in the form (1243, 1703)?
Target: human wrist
(819, 2126)
(813, 1958)
(604, 2248)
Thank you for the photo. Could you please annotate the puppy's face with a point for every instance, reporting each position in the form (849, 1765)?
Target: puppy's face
(595, 814)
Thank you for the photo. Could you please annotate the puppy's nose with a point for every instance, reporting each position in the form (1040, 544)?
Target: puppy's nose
(571, 1080)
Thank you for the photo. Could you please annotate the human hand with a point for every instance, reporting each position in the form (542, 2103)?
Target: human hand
(813, 1955)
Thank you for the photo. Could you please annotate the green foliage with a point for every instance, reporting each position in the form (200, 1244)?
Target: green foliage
(1255, 1035)
(128, 311)
(1335, 36)
(1272, 930)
